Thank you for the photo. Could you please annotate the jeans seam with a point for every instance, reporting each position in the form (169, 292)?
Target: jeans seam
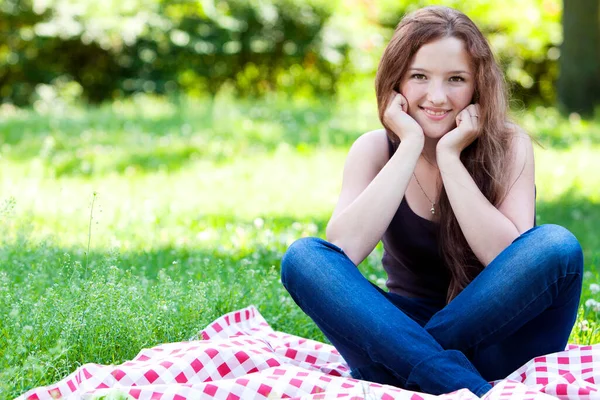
(479, 389)
(518, 313)
(359, 346)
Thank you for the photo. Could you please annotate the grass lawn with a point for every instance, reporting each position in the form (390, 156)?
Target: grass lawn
(139, 222)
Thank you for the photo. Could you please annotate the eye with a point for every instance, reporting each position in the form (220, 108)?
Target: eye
(457, 79)
(418, 77)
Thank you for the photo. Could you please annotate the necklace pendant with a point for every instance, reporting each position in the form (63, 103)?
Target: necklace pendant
(432, 209)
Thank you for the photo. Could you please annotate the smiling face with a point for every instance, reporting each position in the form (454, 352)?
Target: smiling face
(438, 84)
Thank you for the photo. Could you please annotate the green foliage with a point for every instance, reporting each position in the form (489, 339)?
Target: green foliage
(525, 42)
(120, 48)
(104, 50)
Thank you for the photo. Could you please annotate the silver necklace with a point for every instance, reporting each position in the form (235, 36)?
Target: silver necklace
(426, 159)
(432, 202)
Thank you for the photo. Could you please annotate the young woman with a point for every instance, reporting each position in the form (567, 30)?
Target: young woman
(475, 290)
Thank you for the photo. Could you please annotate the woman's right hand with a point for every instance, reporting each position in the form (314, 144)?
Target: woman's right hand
(397, 119)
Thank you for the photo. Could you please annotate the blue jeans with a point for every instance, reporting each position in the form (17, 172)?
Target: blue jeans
(522, 305)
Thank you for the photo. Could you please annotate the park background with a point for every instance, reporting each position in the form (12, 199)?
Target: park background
(158, 157)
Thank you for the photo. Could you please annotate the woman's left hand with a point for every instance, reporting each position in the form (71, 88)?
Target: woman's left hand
(467, 130)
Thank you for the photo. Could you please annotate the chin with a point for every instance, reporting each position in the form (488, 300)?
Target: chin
(433, 130)
(436, 133)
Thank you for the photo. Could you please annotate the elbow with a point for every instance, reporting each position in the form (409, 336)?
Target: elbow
(329, 233)
(346, 250)
(487, 257)
(334, 238)
(356, 259)
(343, 244)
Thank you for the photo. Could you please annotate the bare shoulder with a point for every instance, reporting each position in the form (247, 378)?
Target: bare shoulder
(521, 163)
(367, 156)
(374, 146)
(519, 141)
(517, 132)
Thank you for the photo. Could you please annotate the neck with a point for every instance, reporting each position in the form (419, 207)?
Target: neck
(429, 150)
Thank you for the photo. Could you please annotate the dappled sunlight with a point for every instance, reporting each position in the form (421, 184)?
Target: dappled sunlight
(145, 135)
(160, 208)
(579, 214)
(158, 159)
(568, 170)
(190, 222)
(546, 125)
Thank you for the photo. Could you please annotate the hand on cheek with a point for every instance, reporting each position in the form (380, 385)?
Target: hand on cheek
(396, 117)
(466, 131)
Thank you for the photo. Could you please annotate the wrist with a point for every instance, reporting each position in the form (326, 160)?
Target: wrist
(413, 140)
(446, 157)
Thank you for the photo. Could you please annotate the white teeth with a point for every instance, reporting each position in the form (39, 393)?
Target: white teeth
(434, 113)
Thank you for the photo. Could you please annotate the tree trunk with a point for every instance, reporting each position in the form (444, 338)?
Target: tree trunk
(579, 80)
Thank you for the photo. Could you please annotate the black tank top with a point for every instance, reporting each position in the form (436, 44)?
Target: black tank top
(411, 255)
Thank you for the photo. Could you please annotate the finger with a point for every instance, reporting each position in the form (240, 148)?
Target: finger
(398, 100)
(403, 103)
(476, 111)
(464, 116)
(392, 101)
(471, 112)
(459, 119)
(473, 117)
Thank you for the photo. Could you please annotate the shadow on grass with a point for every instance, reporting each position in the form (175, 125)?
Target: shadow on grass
(102, 141)
(120, 302)
(265, 243)
(57, 313)
(147, 135)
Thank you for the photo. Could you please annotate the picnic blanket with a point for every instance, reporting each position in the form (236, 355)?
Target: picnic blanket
(242, 357)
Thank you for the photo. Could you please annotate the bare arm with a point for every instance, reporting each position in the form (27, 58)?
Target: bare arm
(370, 195)
(488, 229)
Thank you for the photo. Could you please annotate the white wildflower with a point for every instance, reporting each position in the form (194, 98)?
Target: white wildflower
(590, 303)
(594, 288)
(584, 325)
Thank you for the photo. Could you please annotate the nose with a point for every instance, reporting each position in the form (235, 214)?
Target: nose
(436, 93)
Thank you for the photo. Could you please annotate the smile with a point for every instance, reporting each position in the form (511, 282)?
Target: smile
(430, 112)
(435, 114)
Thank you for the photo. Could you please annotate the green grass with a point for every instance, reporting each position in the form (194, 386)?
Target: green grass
(196, 203)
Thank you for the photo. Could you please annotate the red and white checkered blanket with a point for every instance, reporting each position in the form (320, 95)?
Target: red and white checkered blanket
(242, 357)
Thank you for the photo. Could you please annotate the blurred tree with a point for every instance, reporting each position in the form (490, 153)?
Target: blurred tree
(115, 48)
(525, 43)
(303, 48)
(579, 80)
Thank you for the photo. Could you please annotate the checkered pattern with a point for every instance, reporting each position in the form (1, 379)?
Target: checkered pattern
(241, 357)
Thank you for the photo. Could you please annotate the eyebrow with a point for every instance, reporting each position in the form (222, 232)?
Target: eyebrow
(450, 72)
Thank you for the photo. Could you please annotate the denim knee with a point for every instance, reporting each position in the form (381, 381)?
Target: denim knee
(295, 268)
(558, 244)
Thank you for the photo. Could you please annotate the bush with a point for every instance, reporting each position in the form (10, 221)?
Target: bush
(305, 48)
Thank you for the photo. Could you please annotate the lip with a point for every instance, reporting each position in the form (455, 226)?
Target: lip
(435, 117)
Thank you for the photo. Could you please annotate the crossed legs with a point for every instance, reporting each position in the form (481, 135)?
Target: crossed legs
(525, 300)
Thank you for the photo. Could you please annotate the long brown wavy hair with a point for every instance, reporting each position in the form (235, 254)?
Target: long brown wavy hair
(486, 158)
